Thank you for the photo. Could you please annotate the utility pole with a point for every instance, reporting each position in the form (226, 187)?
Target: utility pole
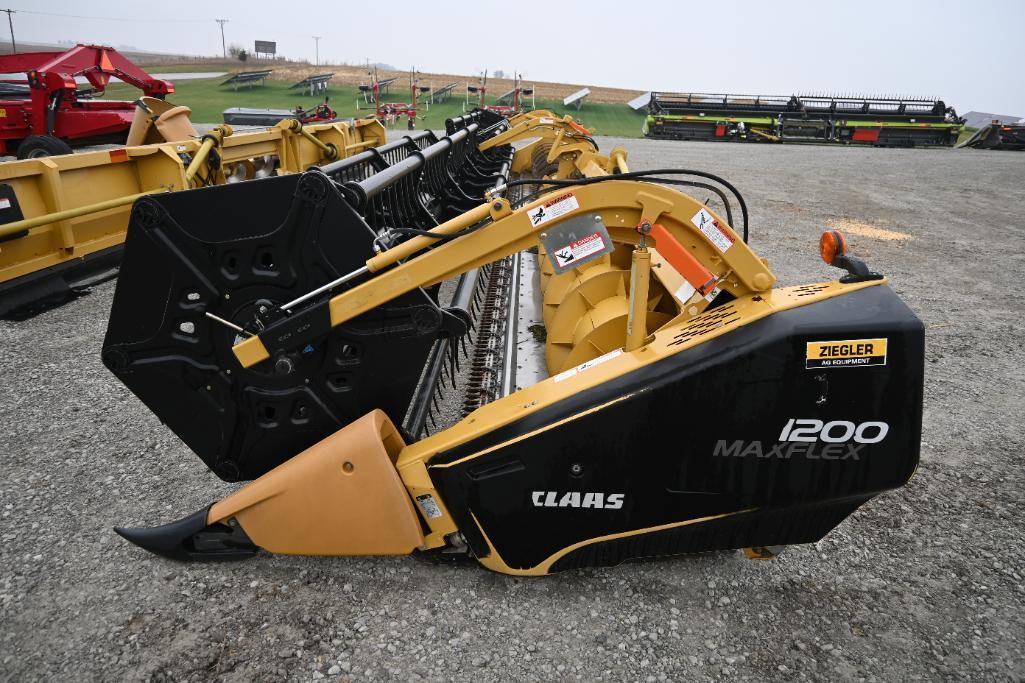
(10, 22)
(222, 22)
(317, 38)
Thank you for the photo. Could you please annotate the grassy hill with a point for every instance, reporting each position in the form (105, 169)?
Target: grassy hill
(208, 100)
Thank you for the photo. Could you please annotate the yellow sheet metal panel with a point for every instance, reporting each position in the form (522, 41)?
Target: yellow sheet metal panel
(342, 496)
(53, 184)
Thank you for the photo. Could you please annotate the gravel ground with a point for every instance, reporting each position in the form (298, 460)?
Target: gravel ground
(922, 583)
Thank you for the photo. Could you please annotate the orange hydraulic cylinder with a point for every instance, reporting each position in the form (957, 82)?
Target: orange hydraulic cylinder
(700, 278)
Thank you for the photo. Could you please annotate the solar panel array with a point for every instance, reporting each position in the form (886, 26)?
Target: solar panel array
(576, 99)
(247, 78)
(316, 83)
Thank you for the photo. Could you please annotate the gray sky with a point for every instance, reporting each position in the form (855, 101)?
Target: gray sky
(969, 53)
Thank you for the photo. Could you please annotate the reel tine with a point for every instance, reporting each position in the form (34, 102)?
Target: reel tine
(446, 370)
(451, 366)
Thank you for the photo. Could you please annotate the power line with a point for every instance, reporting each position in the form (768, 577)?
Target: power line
(123, 19)
(10, 22)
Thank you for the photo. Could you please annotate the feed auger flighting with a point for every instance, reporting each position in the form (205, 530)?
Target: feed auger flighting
(294, 330)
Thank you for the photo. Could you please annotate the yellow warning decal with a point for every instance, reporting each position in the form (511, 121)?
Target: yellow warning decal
(3, 113)
(848, 353)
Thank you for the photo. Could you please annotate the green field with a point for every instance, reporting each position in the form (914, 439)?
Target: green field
(208, 100)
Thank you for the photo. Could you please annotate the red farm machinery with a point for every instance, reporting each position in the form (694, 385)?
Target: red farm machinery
(47, 113)
(390, 112)
(507, 104)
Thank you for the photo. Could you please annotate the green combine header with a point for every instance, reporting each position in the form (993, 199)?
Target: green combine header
(880, 122)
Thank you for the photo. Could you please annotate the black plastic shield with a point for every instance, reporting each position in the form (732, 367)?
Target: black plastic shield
(239, 252)
(697, 451)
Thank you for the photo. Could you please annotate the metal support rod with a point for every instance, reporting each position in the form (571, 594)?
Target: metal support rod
(228, 323)
(323, 288)
(637, 322)
(511, 328)
(410, 247)
(18, 226)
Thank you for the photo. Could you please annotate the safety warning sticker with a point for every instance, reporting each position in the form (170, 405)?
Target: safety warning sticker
(711, 229)
(586, 365)
(427, 504)
(848, 353)
(5, 203)
(579, 250)
(553, 209)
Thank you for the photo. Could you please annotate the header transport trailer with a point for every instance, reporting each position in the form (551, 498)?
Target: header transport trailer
(876, 121)
(997, 135)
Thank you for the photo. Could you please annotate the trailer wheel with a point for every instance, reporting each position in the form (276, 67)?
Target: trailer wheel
(36, 146)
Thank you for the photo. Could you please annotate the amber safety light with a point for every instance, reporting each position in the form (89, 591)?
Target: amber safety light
(831, 245)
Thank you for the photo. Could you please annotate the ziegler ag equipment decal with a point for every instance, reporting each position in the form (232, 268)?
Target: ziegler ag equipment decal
(849, 353)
